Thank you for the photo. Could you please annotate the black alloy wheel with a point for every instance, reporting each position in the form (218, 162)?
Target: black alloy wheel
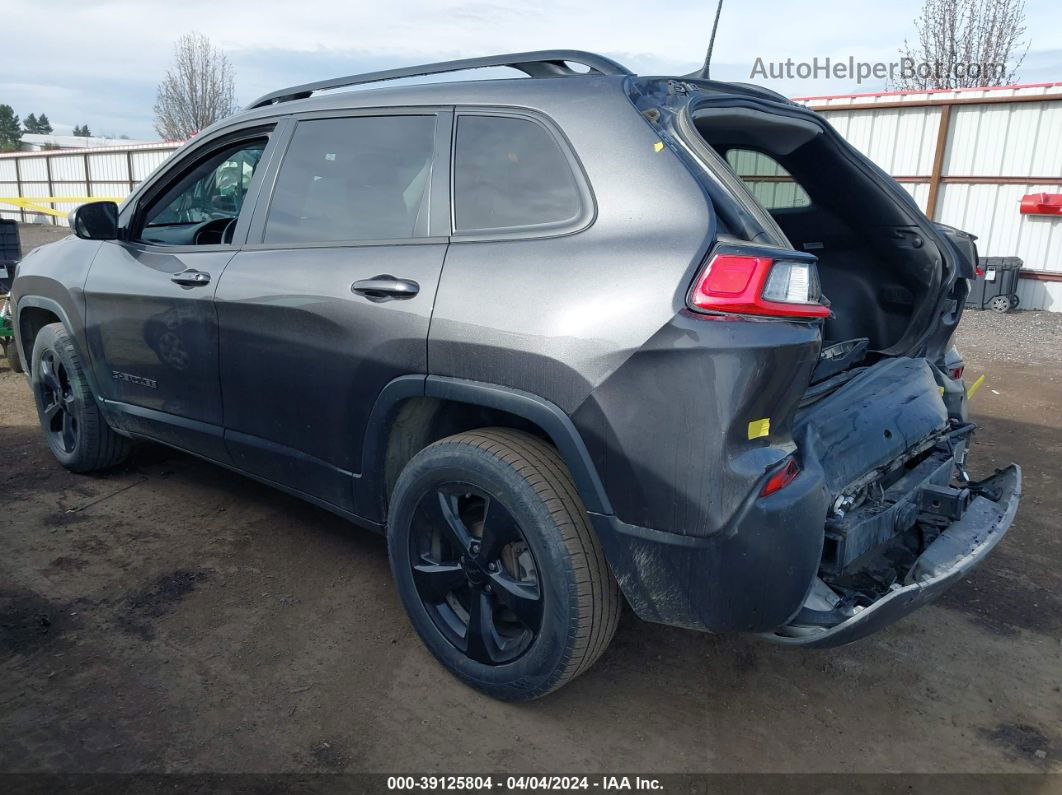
(497, 564)
(58, 402)
(475, 574)
(73, 425)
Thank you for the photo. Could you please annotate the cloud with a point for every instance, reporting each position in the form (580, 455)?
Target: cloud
(99, 62)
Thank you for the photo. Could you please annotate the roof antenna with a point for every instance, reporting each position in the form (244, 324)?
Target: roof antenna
(703, 74)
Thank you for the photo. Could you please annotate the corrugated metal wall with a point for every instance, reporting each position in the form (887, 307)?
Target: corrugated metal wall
(997, 147)
(106, 173)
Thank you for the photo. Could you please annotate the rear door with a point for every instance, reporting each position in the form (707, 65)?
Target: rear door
(151, 325)
(332, 295)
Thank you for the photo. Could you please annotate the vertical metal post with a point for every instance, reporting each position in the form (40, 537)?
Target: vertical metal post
(938, 160)
(51, 186)
(129, 168)
(18, 187)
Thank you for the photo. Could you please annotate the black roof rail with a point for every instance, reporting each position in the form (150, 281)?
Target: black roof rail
(542, 63)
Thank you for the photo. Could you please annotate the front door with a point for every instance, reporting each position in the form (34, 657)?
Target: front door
(152, 327)
(331, 297)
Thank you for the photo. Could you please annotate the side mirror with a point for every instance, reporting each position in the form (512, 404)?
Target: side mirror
(95, 221)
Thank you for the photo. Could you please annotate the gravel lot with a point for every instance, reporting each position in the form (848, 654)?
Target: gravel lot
(173, 617)
(1031, 338)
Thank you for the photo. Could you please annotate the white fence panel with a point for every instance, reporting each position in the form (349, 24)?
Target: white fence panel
(146, 162)
(69, 168)
(109, 167)
(75, 173)
(33, 169)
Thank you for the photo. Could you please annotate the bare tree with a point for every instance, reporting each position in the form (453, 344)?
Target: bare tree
(198, 89)
(963, 44)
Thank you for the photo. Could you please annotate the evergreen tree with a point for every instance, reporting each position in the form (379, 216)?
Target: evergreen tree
(29, 124)
(43, 125)
(10, 129)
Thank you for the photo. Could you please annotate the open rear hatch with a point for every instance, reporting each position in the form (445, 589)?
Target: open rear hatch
(904, 519)
(885, 286)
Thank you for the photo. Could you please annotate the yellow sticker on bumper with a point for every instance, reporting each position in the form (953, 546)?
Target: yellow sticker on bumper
(758, 428)
(658, 146)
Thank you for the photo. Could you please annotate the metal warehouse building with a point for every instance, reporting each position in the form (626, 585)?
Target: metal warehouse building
(967, 156)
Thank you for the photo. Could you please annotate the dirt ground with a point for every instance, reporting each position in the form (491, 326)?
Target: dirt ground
(174, 617)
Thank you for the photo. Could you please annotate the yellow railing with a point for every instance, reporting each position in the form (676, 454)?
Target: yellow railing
(36, 204)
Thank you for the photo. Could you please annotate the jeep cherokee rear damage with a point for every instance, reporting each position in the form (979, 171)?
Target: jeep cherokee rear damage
(638, 371)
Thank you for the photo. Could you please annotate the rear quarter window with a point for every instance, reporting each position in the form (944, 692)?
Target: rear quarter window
(511, 175)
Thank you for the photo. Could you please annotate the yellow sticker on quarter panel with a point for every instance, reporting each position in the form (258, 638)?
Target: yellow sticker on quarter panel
(758, 428)
(658, 146)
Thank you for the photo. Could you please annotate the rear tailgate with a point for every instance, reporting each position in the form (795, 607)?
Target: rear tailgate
(871, 421)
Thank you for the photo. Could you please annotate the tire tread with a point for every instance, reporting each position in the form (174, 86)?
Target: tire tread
(598, 600)
(99, 447)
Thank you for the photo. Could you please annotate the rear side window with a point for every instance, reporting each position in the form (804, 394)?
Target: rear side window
(772, 185)
(353, 178)
(510, 174)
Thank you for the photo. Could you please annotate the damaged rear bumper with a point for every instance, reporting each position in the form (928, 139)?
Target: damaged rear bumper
(958, 549)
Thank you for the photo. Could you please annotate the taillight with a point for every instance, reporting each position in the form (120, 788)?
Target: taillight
(979, 270)
(955, 373)
(758, 286)
(780, 479)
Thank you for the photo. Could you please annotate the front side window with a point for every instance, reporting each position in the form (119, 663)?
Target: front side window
(770, 183)
(510, 173)
(354, 178)
(213, 191)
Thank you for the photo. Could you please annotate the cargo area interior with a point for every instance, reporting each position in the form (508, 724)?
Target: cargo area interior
(880, 274)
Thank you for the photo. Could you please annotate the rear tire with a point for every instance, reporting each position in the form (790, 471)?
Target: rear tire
(490, 521)
(73, 426)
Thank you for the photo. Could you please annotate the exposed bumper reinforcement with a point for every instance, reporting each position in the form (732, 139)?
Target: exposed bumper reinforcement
(957, 550)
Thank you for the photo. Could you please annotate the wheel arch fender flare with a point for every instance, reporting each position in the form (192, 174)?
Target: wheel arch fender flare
(57, 309)
(547, 415)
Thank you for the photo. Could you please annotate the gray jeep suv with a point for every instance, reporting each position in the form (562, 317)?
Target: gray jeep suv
(570, 339)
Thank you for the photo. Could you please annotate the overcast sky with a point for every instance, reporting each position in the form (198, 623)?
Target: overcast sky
(99, 62)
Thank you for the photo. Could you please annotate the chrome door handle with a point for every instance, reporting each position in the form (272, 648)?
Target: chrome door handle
(385, 286)
(191, 278)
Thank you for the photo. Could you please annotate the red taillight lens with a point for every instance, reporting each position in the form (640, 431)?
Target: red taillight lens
(758, 286)
(979, 270)
(780, 479)
(955, 373)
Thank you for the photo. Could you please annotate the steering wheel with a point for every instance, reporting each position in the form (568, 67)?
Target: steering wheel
(214, 232)
(227, 232)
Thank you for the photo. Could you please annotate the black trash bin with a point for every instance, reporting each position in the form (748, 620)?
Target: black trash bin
(10, 251)
(997, 288)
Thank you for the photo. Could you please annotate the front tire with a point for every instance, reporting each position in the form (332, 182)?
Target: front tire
(497, 565)
(76, 432)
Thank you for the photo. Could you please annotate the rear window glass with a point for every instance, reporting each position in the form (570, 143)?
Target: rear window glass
(772, 185)
(354, 178)
(510, 173)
